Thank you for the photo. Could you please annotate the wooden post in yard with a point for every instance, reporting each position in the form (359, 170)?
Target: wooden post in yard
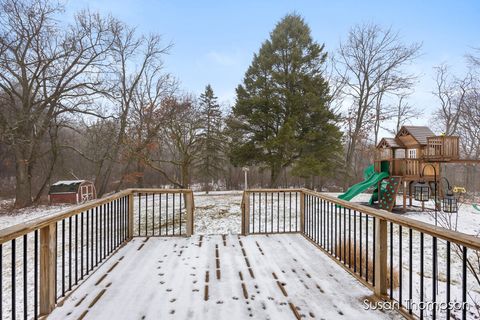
(190, 209)
(48, 265)
(302, 212)
(381, 249)
(130, 215)
(246, 213)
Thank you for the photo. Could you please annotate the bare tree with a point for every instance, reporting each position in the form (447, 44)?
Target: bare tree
(181, 138)
(371, 62)
(147, 118)
(402, 112)
(135, 58)
(46, 70)
(451, 93)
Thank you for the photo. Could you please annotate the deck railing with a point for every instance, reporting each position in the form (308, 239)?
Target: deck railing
(412, 263)
(271, 211)
(42, 260)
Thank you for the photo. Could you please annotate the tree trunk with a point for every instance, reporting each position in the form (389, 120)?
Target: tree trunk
(23, 186)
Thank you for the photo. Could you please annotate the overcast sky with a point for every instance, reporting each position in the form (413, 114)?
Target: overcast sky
(214, 41)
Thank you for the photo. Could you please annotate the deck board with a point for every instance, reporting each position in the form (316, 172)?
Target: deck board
(259, 277)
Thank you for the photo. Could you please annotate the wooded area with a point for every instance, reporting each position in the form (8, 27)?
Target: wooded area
(91, 99)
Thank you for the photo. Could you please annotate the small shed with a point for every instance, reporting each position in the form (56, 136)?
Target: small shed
(71, 191)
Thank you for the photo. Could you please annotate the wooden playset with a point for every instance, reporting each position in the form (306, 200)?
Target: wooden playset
(414, 154)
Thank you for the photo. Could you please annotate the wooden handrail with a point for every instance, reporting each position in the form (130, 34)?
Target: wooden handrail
(20, 229)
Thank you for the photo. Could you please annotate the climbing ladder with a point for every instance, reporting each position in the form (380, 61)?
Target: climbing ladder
(389, 193)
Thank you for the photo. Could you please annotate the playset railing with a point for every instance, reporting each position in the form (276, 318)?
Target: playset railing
(42, 260)
(442, 147)
(421, 268)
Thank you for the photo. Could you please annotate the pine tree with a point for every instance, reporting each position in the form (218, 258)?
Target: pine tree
(281, 116)
(212, 158)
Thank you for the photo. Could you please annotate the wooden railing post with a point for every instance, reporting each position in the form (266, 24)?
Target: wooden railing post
(381, 249)
(246, 213)
(130, 214)
(190, 209)
(48, 264)
(302, 211)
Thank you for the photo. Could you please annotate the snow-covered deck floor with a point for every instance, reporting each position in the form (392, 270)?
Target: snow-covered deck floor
(219, 277)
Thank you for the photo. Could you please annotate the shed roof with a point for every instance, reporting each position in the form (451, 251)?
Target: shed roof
(65, 186)
(420, 133)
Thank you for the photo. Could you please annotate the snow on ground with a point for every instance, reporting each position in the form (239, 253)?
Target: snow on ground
(218, 212)
(12, 217)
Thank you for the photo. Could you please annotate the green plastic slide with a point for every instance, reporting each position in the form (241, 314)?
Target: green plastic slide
(476, 206)
(371, 179)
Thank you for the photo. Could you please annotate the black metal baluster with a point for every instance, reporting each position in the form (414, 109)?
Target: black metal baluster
(320, 222)
(317, 220)
(344, 235)
(1, 280)
(374, 245)
(391, 260)
(87, 235)
(366, 247)
(266, 214)
(110, 222)
(290, 212)
(76, 249)
(35, 277)
(105, 229)
(153, 214)
(349, 238)
(92, 237)
(296, 211)
(173, 214)
(70, 253)
(25, 258)
(410, 270)
(448, 279)
(337, 221)
(283, 211)
(259, 212)
(278, 211)
(421, 274)
(434, 276)
(146, 215)
(400, 266)
(160, 214)
(96, 235)
(271, 213)
(253, 212)
(180, 196)
(13, 285)
(361, 247)
(139, 212)
(63, 257)
(464, 283)
(354, 241)
(81, 246)
(332, 239)
(166, 213)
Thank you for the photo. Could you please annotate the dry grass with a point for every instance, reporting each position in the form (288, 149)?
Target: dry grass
(350, 261)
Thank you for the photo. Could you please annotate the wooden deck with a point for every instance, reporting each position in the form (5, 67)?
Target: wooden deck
(219, 277)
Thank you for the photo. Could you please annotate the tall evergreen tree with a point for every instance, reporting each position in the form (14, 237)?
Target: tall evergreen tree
(281, 116)
(212, 138)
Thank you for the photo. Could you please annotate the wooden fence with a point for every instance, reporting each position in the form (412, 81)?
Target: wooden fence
(42, 260)
(422, 268)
